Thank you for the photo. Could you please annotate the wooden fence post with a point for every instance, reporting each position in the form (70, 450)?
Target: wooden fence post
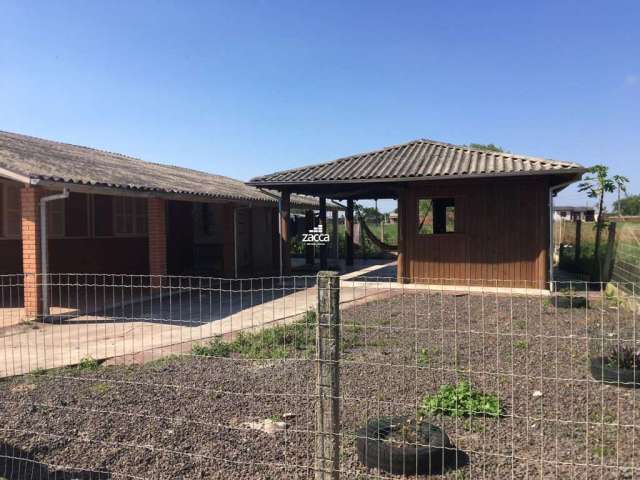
(577, 252)
(609, 256)
(327, 463)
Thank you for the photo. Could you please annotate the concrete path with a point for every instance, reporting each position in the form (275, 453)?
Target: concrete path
(156, 327)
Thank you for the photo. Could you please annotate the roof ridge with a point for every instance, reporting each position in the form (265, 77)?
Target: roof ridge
(340, 159)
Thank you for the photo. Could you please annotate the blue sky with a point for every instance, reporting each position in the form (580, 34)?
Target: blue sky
(244, 88)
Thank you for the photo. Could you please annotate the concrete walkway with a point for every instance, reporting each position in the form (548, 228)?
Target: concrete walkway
(156, 327)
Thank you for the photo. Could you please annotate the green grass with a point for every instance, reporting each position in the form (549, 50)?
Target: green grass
(280, 341)
(88, 364)
(521, 344)
(424, 358)
(215, 348)
(100, 388)
(461, 400)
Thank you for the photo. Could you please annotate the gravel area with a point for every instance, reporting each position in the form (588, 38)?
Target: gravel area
(186, 417)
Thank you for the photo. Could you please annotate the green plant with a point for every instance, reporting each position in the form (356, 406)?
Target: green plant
(273, 342)
(38, 372)
(88, 364)
(596, 187)
(461, 400)
(216, 348)
(603, 451)
(279, 341)
(623, 356)
(521, 344)
(423, 357)
(101, 388)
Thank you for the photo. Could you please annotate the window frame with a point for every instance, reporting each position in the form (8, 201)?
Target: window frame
(135, 216)
(456, 205)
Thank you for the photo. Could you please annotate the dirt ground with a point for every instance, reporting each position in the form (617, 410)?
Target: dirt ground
(186, 417)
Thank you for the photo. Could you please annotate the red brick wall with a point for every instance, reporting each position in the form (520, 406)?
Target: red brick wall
(30, 198)
(157, 236)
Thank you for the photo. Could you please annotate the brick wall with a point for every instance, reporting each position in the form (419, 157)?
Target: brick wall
(31, 267)
(157, 236)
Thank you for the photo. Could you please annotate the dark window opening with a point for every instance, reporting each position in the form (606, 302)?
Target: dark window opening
(436, 215)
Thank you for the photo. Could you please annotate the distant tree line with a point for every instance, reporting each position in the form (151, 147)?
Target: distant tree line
(629, 205)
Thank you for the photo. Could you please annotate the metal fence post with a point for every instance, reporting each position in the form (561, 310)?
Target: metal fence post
(327, 463)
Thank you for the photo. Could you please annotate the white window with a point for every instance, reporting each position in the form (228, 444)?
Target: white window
(130, 216)
(12, 215)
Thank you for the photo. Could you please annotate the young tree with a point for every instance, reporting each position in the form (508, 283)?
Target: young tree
(597, 186)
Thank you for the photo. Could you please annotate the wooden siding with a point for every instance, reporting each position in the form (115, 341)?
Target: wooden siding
(501, 236)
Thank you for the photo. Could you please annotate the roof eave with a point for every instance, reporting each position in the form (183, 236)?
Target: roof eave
(578, 171)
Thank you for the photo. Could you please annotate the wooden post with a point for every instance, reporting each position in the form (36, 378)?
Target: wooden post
(285, 254)
(401, 226)
(576, 257)
(609, 256)
(348, 222)
(382, 231)
(323, 221)
(308, 225)
(327, 463)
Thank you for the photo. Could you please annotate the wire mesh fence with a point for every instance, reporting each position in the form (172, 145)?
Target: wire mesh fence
(194, 377)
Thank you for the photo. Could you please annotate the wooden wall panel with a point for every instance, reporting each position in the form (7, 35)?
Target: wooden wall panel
(501, 234)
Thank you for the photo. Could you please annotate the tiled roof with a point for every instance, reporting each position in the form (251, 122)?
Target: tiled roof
(418, 159)
(39, 159)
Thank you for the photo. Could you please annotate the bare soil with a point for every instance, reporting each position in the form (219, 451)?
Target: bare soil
(186, 417)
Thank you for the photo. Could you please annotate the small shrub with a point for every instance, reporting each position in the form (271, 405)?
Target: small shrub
(88, 364)
(101, 388)
(622, 356)
(521, 344)
(215, 348)
(461, 400)
(423, 357)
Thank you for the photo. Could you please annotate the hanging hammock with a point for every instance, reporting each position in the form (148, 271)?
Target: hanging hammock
(374, 239)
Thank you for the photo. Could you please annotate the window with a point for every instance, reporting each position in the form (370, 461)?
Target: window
(11, 215)
(55, 219)
(130, 216)
(436, 215)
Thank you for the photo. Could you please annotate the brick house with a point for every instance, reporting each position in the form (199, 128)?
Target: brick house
(124, 215)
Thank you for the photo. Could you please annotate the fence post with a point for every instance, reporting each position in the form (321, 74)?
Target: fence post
(608, 259)
(576, 258)
(327, 463)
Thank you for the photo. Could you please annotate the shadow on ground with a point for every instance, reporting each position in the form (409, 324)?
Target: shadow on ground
(18, 464)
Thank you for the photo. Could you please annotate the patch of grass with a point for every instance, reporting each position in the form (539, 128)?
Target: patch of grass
(461, 400)
(100, 388)
(88, 364)
(603, 451)
(423, 357)
(38, 372)
(270, 343)
(521, 344)
(215, 348)
(472, 426)
(160, 362)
